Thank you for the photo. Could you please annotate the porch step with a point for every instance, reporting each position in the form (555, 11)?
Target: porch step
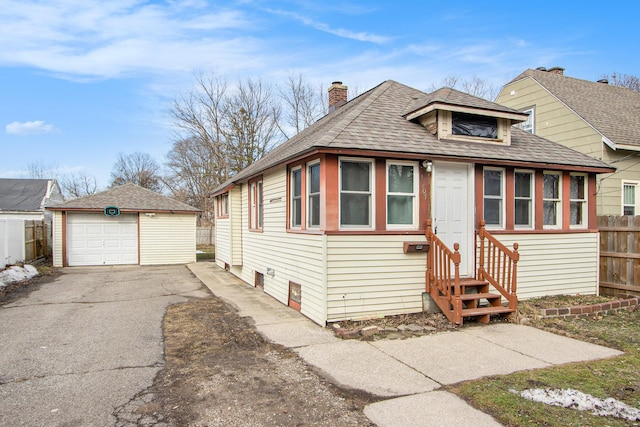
(484, 313)
(474, 284)
(480, 295)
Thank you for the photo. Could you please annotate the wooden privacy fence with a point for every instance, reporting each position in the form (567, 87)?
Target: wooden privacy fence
(206, 235)
(619, 254)
(35, 240)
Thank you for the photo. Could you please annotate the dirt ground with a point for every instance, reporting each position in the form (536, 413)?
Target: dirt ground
(220, 372)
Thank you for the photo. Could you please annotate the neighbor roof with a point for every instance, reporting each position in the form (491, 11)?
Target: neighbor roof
(374, 122)
(613, 111)
(23, 195)
(127, 197)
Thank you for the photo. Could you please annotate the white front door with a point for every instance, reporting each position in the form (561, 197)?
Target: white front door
(453, 209)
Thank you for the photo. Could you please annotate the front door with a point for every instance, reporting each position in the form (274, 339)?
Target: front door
(453, 209)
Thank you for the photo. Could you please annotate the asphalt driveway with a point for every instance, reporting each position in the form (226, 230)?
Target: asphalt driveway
(86, 343)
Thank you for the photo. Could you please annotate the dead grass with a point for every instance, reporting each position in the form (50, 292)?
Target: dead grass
(618, 377)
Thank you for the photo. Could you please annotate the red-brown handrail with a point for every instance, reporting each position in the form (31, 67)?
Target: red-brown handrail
(498, 265)
(443, 268)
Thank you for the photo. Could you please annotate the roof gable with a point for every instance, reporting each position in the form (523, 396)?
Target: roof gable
(613, 111)
(24, 195)
(127, 197)
(375, 121)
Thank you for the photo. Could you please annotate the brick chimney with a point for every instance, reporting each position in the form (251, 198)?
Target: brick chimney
(337, 96)
(556, 70)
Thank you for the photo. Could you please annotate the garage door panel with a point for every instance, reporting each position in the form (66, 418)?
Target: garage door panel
(94, 239)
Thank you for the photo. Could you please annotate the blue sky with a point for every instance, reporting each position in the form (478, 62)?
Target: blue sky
(84, 80)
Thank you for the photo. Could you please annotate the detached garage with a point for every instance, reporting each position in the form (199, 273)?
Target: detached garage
(123, 225)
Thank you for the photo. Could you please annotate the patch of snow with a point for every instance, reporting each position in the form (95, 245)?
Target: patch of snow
(574, 399)
(198, 251)
(16, 274)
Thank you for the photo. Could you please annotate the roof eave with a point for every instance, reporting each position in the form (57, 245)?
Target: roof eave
(516, 117)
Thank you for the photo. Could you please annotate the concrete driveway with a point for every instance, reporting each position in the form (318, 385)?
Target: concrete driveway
(86, 343)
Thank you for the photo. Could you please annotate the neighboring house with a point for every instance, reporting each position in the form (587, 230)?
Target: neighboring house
(123, 225)
(595, 118)
(27, 199)
(333, 221)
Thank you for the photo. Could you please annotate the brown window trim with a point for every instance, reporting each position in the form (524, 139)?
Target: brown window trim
(219, 206)
(331, 192)
(259, 225)
(591, 220)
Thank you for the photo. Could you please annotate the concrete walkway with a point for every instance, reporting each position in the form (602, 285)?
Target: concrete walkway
(409, 372)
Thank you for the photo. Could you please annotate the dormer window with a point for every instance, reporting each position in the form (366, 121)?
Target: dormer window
(473, 125)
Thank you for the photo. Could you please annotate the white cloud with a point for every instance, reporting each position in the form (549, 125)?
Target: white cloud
(362, 36)
(93, 39)
(30, 128)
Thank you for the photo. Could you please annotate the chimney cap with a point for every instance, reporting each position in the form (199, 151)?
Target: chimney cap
(336, 83)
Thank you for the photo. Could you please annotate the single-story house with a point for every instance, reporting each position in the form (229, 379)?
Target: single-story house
(339, 221)
(26, 199)
(595, 118)
(124, 225)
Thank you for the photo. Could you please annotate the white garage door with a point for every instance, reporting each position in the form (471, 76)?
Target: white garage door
(95, 239)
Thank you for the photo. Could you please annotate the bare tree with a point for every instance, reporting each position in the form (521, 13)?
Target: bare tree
(625, 80)
(138, 168)
(191, 176)
(42, 170)
(80, 185)
(201, 115)
(253, 121)
(303, 104)
(473, 86)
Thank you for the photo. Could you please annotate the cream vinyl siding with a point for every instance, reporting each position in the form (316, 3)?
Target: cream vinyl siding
(556, 264)
(371, 276)
(610, 187)
(57, 239)
(235, 226)
(293, 257)
(167, 239)
(223, 241)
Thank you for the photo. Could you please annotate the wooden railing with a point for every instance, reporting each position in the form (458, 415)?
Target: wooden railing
(443, 273)
(498, 265)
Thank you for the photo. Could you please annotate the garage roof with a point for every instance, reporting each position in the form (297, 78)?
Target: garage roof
(129, 198)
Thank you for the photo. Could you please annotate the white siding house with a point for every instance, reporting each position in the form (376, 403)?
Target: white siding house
(333, 221)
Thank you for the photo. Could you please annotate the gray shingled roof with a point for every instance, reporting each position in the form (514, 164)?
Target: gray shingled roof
(22, 195)
(613, 111)
(449, 96)
(374, 121)
(128, 197)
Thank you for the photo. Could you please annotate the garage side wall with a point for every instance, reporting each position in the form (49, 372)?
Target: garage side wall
(167, 239)
(57, 239)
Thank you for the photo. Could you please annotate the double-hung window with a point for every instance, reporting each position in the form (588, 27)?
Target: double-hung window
(223, 205)
(494, 197)
(356, 193)
(529, 124)
(523, 183)
(296, 198)
(551, 201)
(313, 193)
(629, 193)
(402, 200)
(578, 200)
(256, 205)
